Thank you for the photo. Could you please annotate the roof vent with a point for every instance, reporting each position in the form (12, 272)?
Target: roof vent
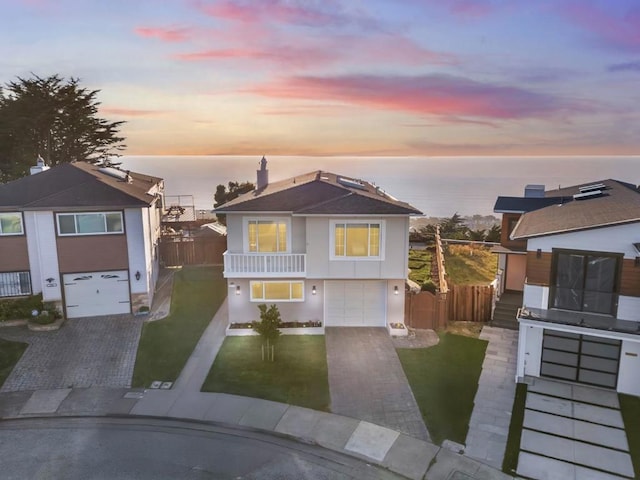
(589, 194)
(40, 166)
(592, 188)
(351, 183)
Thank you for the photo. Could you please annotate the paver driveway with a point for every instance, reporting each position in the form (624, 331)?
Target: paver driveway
(85, 352)
(367, 381)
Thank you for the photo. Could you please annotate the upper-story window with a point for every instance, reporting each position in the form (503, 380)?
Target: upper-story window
(90, 223)
(11, 223)
(585, 281)
(355, 239)
(267, 236)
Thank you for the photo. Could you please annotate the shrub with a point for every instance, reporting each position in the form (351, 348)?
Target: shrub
(20, 308)
(429, 286)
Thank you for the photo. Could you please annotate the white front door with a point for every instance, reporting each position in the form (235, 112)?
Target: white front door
(355, 303)
(96, 293)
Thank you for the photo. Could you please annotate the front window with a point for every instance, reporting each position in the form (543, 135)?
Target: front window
(14, 284)
(267, 236)
(585, 282)
(357, 239)
(11, 224)
(90, 223)
(277, 291)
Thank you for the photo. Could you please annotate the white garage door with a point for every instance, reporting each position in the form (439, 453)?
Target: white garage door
(355, 303)
(96, 293)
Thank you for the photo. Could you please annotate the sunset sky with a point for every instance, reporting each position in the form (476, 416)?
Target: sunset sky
(327, 77)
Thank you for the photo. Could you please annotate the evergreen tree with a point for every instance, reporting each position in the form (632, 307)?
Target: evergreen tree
(53, 118)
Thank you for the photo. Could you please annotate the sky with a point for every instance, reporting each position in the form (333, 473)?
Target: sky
(351, 77)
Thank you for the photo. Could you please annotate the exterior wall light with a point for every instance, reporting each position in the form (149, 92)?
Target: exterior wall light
(138, 275)
(313, 290)
(238, 290)
(539, 253)
(395, 290)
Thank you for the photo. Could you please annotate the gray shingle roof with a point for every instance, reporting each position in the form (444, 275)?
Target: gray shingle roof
(320, 193)
(73, 185)
(619, 203)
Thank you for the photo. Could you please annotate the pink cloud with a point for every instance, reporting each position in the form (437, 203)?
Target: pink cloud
(130, 112)
(616, 28)
(164, 34)
(428, 94)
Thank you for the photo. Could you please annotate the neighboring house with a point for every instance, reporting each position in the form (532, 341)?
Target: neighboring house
(580, 247)
(321, 246)
(84, 236)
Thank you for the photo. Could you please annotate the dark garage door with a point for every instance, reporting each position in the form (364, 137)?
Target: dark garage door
(580, 358)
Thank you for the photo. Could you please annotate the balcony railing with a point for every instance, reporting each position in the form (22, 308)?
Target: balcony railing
(245, 265)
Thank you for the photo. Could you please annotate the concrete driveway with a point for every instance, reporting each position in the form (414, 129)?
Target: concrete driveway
(367, 381)
(85, 352)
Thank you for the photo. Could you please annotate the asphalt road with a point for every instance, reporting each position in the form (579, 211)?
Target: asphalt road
(141, 448)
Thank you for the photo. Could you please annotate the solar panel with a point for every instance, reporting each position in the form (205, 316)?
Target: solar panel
(348, 182)
(589, 188)
(588, 194)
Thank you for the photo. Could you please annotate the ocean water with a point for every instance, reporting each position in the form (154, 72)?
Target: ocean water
(438, 186)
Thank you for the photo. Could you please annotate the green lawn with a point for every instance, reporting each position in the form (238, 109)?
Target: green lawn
(466, 265)
(420, 265)
(444, 380)
(298, 375)
(10, 353)
(630, 408)
(512, 451)
(165, 345)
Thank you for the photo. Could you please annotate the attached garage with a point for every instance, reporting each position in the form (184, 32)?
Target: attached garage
(96, 293)
(352, 303)
(580, 358)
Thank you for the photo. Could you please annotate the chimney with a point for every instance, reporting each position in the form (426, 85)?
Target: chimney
(534, 191)
(39, 167)
(263, 175)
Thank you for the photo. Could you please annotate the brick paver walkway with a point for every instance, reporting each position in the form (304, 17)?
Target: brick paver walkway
(367, 381)
(85, 352)
(489, 424)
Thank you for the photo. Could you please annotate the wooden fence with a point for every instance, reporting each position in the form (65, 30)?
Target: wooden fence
(178, 250)
(426, 310)
(470, 303)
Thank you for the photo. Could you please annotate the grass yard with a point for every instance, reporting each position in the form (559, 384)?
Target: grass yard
(444, 380)
(298, 375)
(10, 353)
(630, 408)
(470, 265)
(512, 451)
(165, 345)
(420, 265)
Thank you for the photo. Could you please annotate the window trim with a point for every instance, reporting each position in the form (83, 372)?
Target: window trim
(276, 300)
(21, 294)
(21, 224)
(75, 214)
(245, 233)
(361, 221)
(618, 257)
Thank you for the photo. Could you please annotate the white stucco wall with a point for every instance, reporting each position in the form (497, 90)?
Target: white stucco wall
(137, 229)
(43, 254)
(629, 374)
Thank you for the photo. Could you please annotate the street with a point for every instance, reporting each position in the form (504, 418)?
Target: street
(143, 448)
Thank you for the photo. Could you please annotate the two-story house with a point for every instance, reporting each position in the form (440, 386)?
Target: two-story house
(321, 246)
(580, 319)
(85, 236)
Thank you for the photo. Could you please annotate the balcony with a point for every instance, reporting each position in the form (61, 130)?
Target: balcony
(249, 265)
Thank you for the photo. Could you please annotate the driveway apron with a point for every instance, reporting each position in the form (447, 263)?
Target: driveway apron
(85, 352)
(367, 381)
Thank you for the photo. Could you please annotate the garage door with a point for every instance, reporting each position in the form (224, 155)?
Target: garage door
(580, 358)
(96, 293)
(355, 303)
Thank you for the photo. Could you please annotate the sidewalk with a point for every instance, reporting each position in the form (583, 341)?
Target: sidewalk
(400, 453)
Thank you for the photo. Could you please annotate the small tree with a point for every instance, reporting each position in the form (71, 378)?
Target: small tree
(268, 328)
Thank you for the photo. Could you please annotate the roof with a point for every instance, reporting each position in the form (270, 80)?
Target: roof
(209, 229)
(526, 204)
(78, 184)
(618, 203)
(320, 193)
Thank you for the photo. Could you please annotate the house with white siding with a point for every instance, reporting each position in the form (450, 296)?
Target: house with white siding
(322, 247)
(85, 236)
(580, 315)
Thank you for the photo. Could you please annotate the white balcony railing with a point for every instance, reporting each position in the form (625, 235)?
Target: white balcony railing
(245, 265)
